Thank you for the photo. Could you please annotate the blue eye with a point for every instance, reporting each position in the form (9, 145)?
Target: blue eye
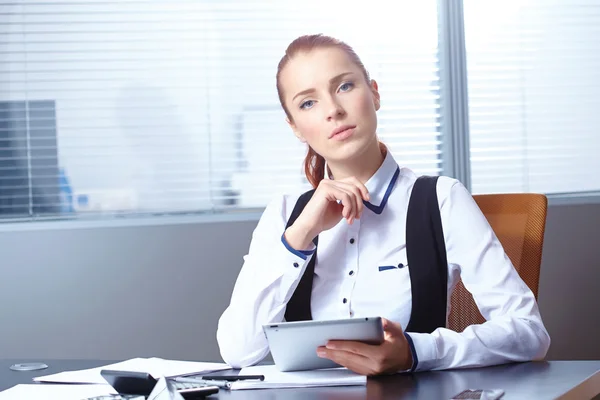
(307, 104)
(346, 86)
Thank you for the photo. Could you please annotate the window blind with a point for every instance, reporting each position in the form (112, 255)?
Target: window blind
(533, 81)
(150, 107)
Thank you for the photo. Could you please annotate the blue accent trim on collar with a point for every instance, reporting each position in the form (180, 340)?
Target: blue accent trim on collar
(379, 209)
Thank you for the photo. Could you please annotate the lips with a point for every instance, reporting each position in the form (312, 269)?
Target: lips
(341, 129)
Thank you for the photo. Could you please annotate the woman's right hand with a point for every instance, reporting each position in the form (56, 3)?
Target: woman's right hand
(332, 201)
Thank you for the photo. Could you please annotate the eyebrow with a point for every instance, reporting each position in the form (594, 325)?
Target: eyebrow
(332, 80)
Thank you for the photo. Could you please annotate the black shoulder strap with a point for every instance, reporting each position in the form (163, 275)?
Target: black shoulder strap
(298, 307)
(427, 261)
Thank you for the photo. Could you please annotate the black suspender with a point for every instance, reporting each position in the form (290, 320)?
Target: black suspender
(426, 253)
(298, 307)
(427, 263)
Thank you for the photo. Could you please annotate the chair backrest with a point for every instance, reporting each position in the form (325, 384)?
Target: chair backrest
(519, 221)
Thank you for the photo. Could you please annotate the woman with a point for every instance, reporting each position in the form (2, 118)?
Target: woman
(361, 215)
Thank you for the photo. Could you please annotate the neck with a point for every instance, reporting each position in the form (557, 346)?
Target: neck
(363, 166)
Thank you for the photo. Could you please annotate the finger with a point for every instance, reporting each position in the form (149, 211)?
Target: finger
(351, 346)
(333, 193)
(348, 203)
(337, 193)
(392, 327)
(351, 188)
(356, 202)
(355, 362)
(360, 186)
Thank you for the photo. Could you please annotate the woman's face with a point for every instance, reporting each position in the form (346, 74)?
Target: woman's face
(331, 104)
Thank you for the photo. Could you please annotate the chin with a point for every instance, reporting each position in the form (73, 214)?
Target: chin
(347, 150)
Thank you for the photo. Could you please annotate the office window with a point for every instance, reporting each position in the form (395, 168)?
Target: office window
(29, 173)
(171, 107)
(533, 81)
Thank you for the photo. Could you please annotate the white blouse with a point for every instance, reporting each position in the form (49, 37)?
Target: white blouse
(362, 271)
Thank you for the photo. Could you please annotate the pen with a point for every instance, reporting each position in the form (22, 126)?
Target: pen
(234, 377)
(220, 383)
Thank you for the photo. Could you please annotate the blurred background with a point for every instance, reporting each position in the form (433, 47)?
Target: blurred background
(141, 139)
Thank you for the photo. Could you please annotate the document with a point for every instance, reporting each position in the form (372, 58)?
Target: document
(53, 392)
(277, 379)
(156, 367)
(164, 391)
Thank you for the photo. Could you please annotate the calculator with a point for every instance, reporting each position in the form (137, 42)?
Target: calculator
(136, 384)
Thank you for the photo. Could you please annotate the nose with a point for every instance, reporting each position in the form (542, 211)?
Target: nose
(335, 110)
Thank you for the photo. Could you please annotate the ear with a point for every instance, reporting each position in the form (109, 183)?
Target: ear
(376, 96)
(295, 130)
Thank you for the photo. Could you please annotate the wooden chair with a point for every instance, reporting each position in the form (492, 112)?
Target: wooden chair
(519, 221)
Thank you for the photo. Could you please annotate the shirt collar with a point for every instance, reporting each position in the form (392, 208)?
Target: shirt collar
(380, 185)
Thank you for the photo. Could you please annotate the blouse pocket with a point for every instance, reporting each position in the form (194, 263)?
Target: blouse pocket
(387, 266)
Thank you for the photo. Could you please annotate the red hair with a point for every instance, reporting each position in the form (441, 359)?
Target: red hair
(314, 163)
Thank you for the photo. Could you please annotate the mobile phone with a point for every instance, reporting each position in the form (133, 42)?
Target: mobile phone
(142, 383)
(479, 394)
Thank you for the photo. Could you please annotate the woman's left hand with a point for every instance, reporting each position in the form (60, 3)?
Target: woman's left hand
(391, 356)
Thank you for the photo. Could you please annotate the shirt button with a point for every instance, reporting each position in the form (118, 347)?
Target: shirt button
(351, 314)
(352, 241)
(351, 273)
(296, 265)
(345, 300)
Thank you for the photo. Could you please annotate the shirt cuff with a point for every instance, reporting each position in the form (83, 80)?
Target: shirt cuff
(293, 264)
(424, 351)
(413, 352)
(304, 254)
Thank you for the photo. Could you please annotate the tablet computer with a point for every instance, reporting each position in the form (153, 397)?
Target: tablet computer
(294, 345)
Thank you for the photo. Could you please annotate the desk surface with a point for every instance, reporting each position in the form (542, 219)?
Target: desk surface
(534, 380)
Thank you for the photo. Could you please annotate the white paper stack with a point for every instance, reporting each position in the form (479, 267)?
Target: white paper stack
(164, 391)
(53, 392)
(156, 367)
(277, 379)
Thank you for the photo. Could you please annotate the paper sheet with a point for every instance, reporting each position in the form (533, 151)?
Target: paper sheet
(164, 391)
(53, 392)
(277, 379)
(157, 367)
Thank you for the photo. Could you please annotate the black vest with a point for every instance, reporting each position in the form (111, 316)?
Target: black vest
(427, 263)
